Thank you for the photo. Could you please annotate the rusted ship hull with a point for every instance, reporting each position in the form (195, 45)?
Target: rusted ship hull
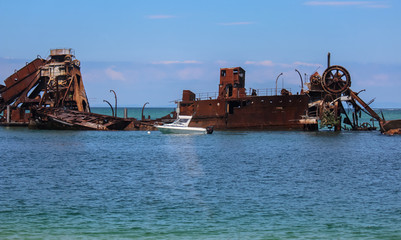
(58, 118)
(254, 112)
(391, 127)
(234, 109)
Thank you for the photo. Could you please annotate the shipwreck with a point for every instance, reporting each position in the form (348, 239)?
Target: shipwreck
(50, 94)
(325, 103)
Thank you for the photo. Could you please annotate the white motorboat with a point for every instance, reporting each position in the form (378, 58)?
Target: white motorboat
(180, 125)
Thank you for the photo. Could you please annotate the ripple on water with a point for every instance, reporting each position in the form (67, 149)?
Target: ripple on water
(241, 185)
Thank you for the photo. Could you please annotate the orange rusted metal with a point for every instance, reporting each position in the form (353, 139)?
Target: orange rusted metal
(55, 82)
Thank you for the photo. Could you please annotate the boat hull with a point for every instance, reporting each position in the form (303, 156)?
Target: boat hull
(181, 130)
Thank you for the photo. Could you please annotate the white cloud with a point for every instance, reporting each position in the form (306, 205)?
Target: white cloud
(114, 75)
(160, 16)
(177, 62)
(378, 6)
(377, 80)
(305, 64)
(370, 4)
(381, 80)
(381, 77)
(268, 63)
(235, 23)
(190, 73)
(260, 63)
(222, 63)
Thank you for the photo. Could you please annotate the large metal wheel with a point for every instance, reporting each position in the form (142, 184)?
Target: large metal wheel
(336, 79)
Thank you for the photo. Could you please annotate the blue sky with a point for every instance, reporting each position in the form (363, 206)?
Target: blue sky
(149, 51)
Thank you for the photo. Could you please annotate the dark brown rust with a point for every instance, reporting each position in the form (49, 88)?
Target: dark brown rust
(65, 119)
(234, 109)
(321, 104)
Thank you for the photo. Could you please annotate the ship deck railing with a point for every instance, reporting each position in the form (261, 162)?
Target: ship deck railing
(250, 92)
(267, 91)
(207, 95)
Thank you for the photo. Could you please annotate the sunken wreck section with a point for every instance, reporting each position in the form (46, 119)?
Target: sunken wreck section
(320, 105)
(50, 94)
(64, 119)
(54, 82)
(234, 109)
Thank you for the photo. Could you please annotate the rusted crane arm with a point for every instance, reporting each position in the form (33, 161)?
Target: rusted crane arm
(364, 105)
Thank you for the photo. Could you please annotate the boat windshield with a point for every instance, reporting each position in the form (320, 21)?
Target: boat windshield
(181, 121)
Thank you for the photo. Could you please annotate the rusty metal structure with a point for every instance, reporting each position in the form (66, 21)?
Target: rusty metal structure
(50, 93)
(65, 119)
(54, 82)
(234, 109)
(320, 105)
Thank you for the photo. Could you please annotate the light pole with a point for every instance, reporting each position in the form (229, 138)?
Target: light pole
(302, 83)
(143, 117)
(277, 80)
(115, 97)
(112, 111)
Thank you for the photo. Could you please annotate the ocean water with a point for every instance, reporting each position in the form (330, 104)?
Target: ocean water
(133, 112)
(227, 185)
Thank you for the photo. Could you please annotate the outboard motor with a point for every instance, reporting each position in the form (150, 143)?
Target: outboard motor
(209, 129)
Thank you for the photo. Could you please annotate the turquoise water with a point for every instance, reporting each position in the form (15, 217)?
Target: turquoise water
(228, 185)
(135, 112)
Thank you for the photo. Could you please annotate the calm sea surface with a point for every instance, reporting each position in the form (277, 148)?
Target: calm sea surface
(228, 185)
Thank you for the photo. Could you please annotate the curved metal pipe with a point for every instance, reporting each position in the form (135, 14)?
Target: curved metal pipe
(115, 97)
(302, 82)
(328, 59)
(277, 80)
(112, 111)
(143, 117)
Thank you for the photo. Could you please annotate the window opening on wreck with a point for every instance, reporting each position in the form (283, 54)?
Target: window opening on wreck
(78, 79)
(231, 105)
(223, 73)
(229, 90)
(271, 101)
(235, 71)
(84, 105)
(246, 103)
